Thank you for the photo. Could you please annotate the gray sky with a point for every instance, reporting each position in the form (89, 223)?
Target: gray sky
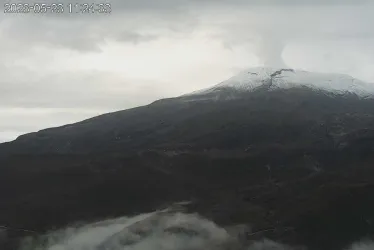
(62, 68)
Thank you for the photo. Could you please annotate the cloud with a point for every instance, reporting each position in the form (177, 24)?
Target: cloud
(158, 231)
(154, 231)
(83, 89)
(162, 5)
(268, 30)
(130, 36)
(142, 21)
(363, 245)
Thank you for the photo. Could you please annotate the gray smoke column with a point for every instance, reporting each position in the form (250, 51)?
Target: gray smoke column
(269, 50)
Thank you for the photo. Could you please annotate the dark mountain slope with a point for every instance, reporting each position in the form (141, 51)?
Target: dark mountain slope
(296, 117)
(284, 159)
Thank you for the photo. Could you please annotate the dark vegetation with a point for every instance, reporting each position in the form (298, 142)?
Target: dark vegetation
(298, 164)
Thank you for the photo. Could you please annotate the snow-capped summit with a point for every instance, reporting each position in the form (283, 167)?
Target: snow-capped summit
(275, 78)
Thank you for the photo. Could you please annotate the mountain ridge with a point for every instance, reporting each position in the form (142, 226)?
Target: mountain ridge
(164, 121)
(254, 79)
(275, 78)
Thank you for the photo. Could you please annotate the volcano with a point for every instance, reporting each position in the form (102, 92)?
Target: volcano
(278, 148)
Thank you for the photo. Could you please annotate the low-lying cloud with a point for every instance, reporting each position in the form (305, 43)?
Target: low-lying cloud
(158, 231)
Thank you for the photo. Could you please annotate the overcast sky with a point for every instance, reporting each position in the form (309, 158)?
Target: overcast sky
(62, 68)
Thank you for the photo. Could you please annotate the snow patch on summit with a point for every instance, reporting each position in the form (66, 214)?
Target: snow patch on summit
(272, 78)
